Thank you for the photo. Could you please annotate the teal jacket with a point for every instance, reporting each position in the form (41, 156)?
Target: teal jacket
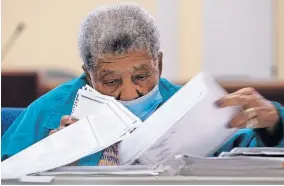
(45, 113)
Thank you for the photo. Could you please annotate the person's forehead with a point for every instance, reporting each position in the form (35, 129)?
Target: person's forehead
(126, 62)
(131, 56)
(118, 68)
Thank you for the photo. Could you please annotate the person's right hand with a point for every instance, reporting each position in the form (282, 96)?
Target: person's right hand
(64, 122)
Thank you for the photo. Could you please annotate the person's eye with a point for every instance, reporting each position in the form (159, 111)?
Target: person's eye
(114, 82)
(141, 77)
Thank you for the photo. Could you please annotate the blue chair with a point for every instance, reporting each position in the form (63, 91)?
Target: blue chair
(8, 116)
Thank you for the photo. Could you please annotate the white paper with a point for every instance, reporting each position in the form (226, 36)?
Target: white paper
(230, 166)
(84, 106)
(188, 123)
(268, 150)
(59, 149)
(88, 103)
(106, 170)
(89, 135)
(37, 179)
(256, 152)
(231, 162)
(106, 133)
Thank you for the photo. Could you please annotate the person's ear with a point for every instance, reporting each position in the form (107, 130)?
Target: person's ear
(160, 63)
(88, 75)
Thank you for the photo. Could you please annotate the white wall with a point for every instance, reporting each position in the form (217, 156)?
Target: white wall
(50, 37)
(279, 37)
(224, 36)
(167, 21)
(238, 38)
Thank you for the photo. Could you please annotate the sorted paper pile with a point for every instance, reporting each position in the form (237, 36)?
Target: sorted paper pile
(239, 162)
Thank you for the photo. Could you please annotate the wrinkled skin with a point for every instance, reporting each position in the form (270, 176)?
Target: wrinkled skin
(125, 77)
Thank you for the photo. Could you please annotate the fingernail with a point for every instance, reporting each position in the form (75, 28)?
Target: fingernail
(218, 103)
(229, 126)
(74, 119)
(232, 125)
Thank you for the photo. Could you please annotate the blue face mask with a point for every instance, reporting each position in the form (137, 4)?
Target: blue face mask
(144, 106)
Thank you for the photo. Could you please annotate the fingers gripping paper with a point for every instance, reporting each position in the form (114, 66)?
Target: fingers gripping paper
(92, 133)
(188, 123)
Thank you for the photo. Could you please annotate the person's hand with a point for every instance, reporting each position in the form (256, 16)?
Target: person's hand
(257, 111)
(64, 122)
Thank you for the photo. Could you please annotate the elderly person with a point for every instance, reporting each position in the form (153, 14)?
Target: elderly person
(120, 48)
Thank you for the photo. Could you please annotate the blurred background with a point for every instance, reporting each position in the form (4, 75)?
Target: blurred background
(240, 42)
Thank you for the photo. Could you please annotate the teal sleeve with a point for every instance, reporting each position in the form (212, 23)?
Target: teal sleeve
(257, 137)
(91, 160)
(25, 131)
(275, 139)
(242, 138)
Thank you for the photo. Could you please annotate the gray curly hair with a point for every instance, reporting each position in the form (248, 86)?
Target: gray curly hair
(117, 29)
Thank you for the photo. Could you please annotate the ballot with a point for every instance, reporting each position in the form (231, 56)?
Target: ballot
(102, 123)
(188, 123)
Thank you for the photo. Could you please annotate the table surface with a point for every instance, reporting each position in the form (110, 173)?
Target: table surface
(157, 180)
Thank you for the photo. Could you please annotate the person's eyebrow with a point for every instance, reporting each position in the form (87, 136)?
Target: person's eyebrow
(140, 68)
(104, 73)
(105, 61)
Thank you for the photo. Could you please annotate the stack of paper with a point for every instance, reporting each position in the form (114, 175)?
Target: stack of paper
(133, 170)
(267, 152)
(188, 123)
(230, 166)
(103, 122)
(88, 102)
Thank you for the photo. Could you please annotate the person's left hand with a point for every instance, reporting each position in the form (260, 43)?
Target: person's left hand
(257, 111)
(64, 122)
